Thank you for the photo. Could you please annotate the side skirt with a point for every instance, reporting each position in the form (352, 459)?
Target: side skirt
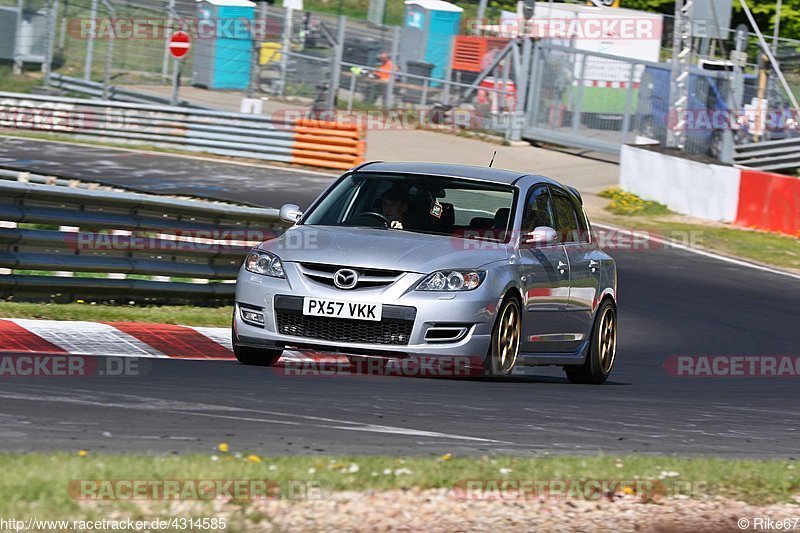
(560, 359)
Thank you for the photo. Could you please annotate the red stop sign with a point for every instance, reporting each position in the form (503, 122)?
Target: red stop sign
(179, 44)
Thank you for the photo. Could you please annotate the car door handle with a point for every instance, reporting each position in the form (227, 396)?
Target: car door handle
(594, 265)
(562, 267)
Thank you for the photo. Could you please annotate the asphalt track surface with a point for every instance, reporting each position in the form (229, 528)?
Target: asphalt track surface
(671, 302)
(154, 173)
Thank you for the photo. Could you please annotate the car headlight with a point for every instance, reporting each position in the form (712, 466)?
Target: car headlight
(452, 280)
(264, 263)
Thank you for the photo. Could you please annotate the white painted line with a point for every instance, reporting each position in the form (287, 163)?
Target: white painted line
(145, 403)
(88, 338)
(414, 433)
(697, 251)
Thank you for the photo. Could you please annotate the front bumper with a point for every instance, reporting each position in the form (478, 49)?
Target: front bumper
(414, 314)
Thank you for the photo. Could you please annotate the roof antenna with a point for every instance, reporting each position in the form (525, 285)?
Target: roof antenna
(492, 161)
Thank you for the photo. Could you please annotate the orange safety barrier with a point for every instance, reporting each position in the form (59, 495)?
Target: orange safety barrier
(328, 144)
(769, 201)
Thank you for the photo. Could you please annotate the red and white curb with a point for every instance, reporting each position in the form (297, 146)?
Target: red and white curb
(125, 339)
(22, 336)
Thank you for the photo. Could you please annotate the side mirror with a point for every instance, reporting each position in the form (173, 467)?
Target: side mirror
(290, 213)
(541, 236)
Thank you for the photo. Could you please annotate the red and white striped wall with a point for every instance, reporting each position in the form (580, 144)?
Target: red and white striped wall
(741, 196)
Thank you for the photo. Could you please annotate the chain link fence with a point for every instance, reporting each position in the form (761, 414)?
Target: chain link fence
(559, 94)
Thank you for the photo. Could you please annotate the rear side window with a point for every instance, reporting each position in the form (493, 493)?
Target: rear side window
(538, 211)
(569, 225)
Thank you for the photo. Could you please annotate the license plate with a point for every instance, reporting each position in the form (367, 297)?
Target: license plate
(339, 309)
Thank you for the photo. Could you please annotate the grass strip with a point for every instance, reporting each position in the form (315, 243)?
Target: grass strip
(38, 483)
(184, 315)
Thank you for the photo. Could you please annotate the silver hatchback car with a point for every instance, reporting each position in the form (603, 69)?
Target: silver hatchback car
(426, 260)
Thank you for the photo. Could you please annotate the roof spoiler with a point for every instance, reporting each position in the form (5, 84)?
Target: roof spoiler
(576, 193)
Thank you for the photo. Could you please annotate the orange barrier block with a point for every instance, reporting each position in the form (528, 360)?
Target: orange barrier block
(328, 144)
(329, 132)
(313, 162)
(769, 202)
(324, 139)
(326, 149)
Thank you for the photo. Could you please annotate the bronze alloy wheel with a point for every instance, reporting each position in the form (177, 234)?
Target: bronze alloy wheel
(505, 340)
(602, 350)
(607, 339)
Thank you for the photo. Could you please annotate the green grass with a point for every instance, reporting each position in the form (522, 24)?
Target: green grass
(22, 83)
(184, 315)
(625, 203)
(631, 212)
(36, 484)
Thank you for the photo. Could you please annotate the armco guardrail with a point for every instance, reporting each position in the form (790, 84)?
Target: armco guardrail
(120, 94)
(89, 243)
(298, 141)
(783, 154)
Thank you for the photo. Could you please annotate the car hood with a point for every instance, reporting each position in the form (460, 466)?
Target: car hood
(383, 249)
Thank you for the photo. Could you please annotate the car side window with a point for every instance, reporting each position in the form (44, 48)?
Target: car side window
(566, 218)
(538, 210)
(583, 230)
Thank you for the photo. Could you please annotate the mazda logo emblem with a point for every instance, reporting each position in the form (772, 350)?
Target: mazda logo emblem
(345, 278)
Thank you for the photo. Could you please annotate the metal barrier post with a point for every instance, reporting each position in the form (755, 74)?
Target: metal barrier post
(626, 117)
(504, 95)
(388, 102)
(352, 91)
(62, 36)
(67, 229)
(535, 79)
(168, 30)
(176, 78)
(52, 13)
(6, 224)
(87, 69)
(255, 52)
(285, 48)
(522, 84)
(448, 76)
(336, 66)
(576, 111)
(109, 53)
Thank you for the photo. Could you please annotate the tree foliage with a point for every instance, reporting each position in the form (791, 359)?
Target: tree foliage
(763, 11)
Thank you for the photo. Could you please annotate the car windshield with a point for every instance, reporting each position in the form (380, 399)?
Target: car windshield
(417, 203)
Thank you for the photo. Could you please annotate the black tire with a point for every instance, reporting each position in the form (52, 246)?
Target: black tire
(496, 365)
(256, 356)
(599, 362)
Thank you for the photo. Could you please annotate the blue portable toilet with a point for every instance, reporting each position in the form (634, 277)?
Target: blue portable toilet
(427, 35)
(224, 44)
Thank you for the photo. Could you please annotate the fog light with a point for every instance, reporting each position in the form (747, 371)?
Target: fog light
(253, 317)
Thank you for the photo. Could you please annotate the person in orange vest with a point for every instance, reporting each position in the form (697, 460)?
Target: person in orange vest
(380, 76)
(384, 72)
